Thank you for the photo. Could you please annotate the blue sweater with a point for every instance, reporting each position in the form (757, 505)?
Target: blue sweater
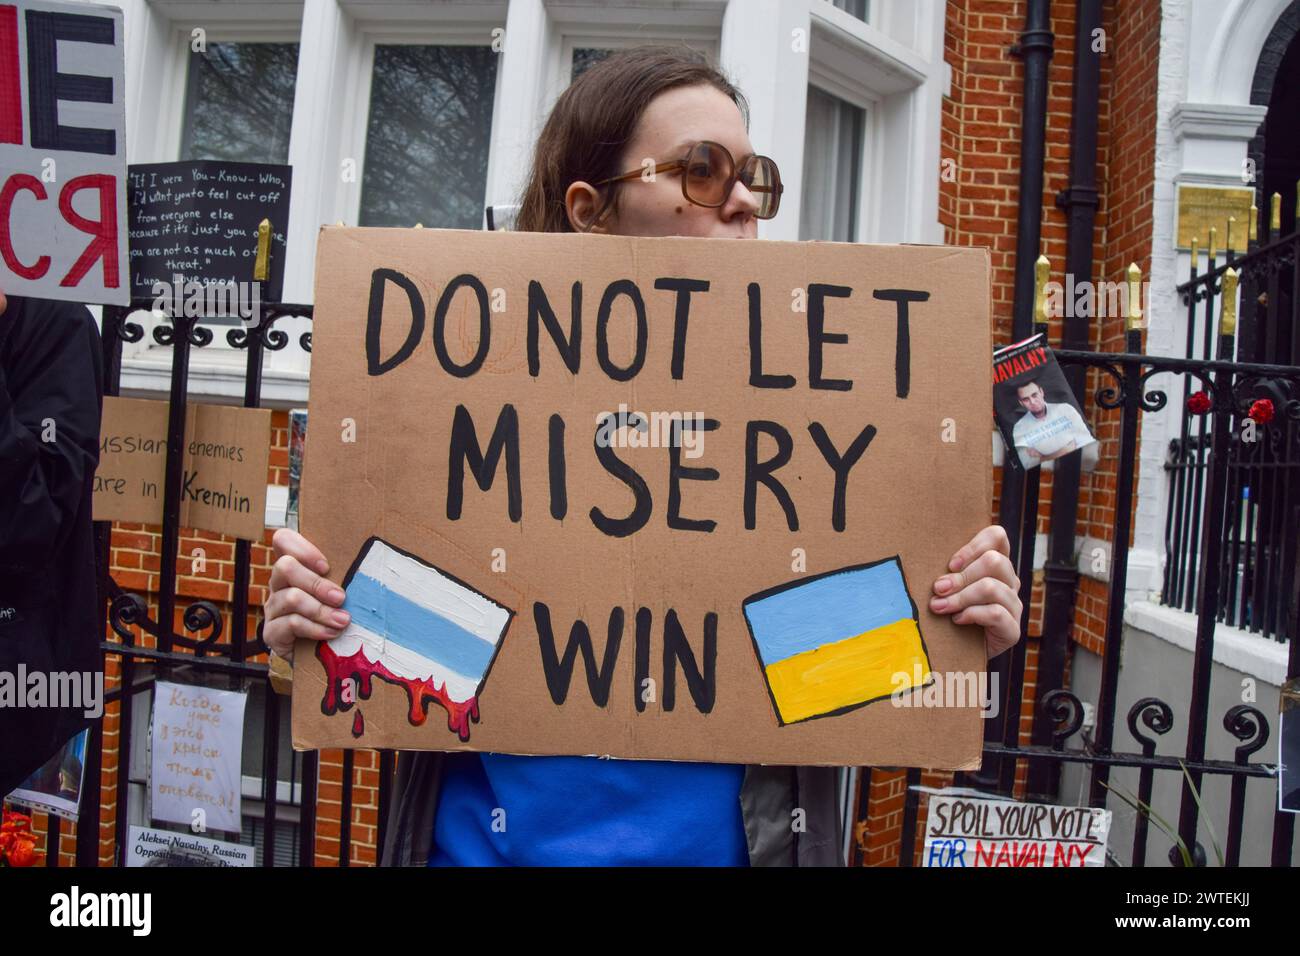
(502, 810)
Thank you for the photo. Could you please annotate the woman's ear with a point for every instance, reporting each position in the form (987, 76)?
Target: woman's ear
(581, 202)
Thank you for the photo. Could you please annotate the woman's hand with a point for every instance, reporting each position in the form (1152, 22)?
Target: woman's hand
(303, 602)
(983, 589)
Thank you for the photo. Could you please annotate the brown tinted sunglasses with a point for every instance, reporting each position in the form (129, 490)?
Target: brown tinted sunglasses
(709, 172)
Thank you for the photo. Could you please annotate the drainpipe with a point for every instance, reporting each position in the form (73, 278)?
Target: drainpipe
(1035, 49)
(1079, 202)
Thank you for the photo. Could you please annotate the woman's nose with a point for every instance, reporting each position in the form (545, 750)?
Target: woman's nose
(741, 202)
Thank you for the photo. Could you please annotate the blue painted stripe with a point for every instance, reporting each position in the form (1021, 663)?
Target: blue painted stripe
(831, 608)
(401, 620)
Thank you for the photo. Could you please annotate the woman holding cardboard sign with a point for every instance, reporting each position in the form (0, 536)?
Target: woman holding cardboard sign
(671, 112)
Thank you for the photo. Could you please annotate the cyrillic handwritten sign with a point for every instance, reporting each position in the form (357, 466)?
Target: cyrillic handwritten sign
(197, 753)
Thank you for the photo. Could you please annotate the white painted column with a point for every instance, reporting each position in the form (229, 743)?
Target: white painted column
(764, 51)
(519, 109)
(316, 143)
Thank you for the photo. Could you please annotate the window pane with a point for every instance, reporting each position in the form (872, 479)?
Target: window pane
(286, 838)
(857, 8)
(832, 168)
(255, 723)
(585, 57)
(239, 102)
(427, 137)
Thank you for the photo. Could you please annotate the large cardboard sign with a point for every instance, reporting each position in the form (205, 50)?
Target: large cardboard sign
(645, 497)
(62, 152)
(223, 475)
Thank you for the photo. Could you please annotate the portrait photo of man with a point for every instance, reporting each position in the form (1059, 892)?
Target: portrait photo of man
(1047, 430)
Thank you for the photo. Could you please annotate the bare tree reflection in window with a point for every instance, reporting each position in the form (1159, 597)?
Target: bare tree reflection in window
(427, 136)
(855, 8)
(584, 58)
(239, 102)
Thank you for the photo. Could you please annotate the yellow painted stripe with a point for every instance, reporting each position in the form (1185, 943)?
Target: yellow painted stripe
(848, 672)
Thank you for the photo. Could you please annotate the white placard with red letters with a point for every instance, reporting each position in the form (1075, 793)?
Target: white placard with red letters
(63, 152)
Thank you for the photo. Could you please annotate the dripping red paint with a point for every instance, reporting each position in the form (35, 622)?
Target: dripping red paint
(419, 692)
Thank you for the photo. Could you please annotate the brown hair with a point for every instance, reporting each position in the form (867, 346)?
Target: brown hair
(594, 119)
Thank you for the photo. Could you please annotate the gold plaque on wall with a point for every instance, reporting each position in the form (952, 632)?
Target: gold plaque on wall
(1200, 207)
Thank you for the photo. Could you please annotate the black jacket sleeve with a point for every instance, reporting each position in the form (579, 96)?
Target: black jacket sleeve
(50, 387)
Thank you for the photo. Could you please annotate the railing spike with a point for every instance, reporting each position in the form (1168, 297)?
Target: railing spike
(1228, 313)
(262, 264)
(1134, 296)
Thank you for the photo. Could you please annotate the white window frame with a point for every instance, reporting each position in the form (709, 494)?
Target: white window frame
(177, 68)
(858, 63)
(356, 109)
(866, 220)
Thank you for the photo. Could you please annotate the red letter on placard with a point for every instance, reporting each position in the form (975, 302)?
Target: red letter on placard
(104, 231)
(11, 90)
(13, 184)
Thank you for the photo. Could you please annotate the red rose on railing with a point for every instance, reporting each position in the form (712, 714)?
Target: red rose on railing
(1198, 403)
(17, 842)
(1261, 411)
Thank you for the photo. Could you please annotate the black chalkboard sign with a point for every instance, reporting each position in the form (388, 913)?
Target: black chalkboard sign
(198, 221)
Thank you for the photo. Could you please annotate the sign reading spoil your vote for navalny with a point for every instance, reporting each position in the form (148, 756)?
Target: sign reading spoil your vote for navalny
(63, 152)
(657, 498)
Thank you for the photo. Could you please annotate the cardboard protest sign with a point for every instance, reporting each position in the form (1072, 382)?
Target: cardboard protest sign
(223, 477)
(644, 497)
(62, 152)
(969, 831)
(196, 222)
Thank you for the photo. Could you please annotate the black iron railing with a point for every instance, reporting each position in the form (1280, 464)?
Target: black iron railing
(1231, 388)
(1261, 488)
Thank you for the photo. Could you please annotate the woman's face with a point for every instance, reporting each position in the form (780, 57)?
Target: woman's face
(674, 120)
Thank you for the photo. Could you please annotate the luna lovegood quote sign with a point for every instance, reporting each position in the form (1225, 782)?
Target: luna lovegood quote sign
(655, 498)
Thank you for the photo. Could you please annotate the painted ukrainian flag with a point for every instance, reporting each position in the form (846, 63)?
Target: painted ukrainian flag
(420, 622)
(835, 642)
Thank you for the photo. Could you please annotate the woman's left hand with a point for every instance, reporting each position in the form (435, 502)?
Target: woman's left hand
(983, 589)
